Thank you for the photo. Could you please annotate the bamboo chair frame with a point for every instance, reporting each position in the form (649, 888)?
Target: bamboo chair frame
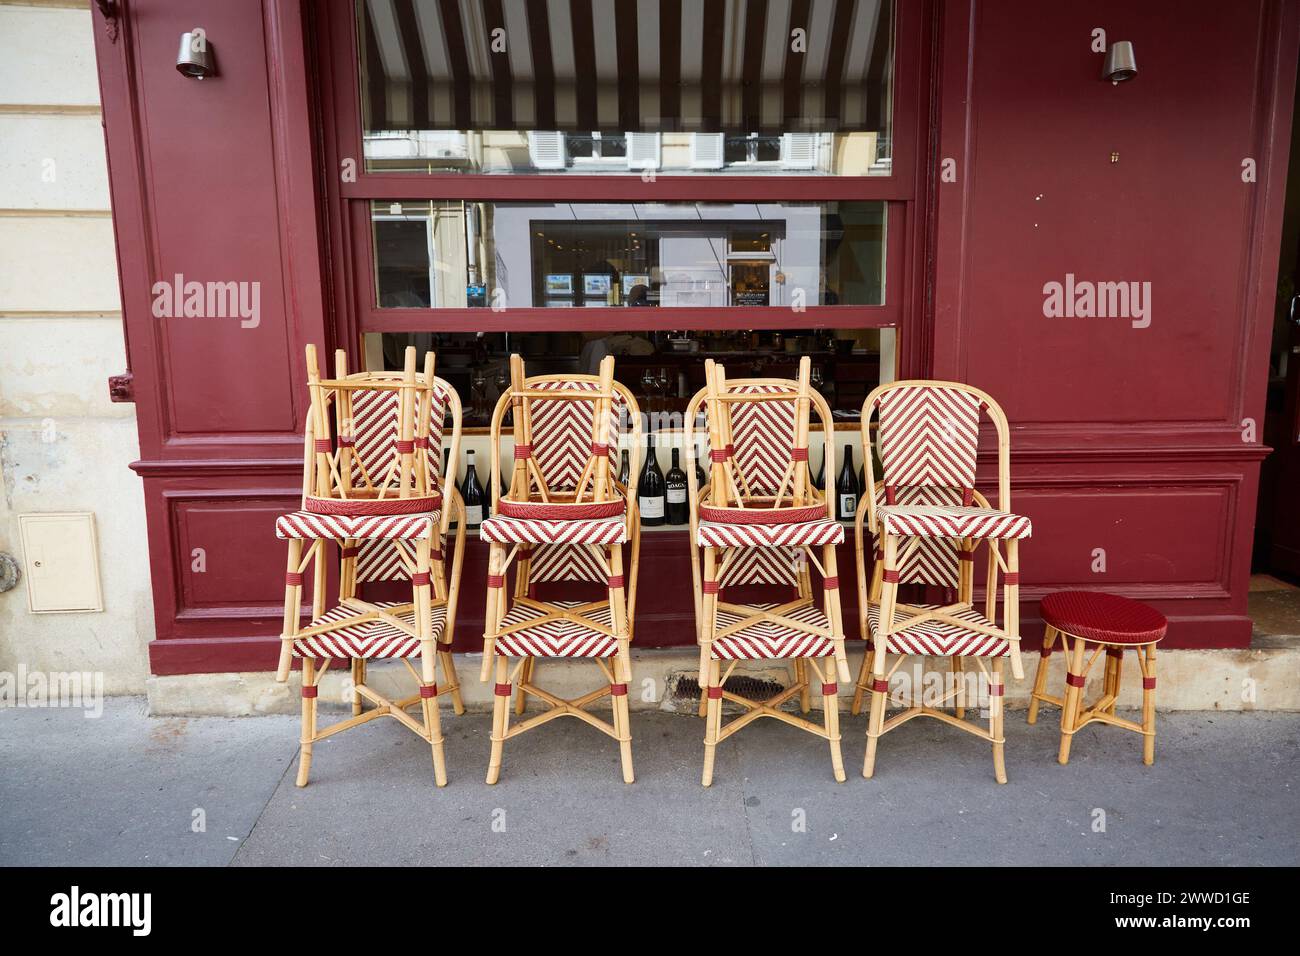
(884, 595)
(325, 472)
(528, 483)
(1075, 715)
(709, 563)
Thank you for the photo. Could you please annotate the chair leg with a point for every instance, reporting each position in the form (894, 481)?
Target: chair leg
(1073, 693)
(876, 722)
(831, 710)
(622, 713)
(453, 680)
(713, 722)
(996, 721)
(308, 719)
(292, 611)
(525, 676)
(358, 678)
(1040, 675)
(805, 690)
(863, 682)
(500, 718)
(1149, 705)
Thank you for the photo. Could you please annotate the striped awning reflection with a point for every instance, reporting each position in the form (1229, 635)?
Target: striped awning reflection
(626, 65)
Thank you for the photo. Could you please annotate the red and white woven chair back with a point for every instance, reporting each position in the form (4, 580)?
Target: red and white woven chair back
(562, 432)
(566, 562)
(762, 435)
(374, 430)
(928, 438)
(762, 566)
(933, 561)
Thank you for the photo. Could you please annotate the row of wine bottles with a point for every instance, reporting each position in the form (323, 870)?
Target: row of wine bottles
(662, 499)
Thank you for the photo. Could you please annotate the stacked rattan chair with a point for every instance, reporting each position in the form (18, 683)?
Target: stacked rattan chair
(925, 523)
(759, 521)
(564, 518)
(373, 490)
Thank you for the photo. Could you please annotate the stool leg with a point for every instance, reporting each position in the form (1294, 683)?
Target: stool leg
(801, 678)
(1149, 705)
(500, 718)
(453, 681)
(1070, 707)
(525, 677)
(1040, 675)
(831, 709)
(996, 722)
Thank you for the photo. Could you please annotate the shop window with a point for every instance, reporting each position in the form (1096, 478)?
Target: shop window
(662, 368)
(511, 255)
(670, 85)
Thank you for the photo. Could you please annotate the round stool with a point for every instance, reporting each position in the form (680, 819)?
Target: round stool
(1112, 624)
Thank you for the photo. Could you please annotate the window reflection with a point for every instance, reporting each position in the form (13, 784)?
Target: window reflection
(454, 254)
(677, 86)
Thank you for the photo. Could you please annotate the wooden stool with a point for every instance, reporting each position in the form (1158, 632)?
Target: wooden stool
(1112, 623)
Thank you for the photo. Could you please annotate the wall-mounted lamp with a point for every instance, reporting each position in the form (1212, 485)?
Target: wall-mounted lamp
(1120, 64)
(195, 58)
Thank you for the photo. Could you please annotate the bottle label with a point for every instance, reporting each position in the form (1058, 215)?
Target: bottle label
(651, 507)
(473, 514)
(848, 506)
(677, 496)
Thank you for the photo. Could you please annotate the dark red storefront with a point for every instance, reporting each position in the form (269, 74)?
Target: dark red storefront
(1012, 165)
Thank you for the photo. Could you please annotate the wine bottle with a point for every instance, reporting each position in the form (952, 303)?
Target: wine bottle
(651, 488)
(820, 481)
(624, 469)
(471, 490)
(679, 512)
(846, 487)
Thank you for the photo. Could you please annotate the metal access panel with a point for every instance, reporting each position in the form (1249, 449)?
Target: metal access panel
(61, 562)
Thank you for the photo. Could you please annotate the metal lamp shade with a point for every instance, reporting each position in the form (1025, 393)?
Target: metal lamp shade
(1120, 63)
(195, 63)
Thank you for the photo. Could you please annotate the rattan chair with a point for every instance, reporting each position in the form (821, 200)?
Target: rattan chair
(925, 532)
(373, 488)
(760, 521)
(564, 518)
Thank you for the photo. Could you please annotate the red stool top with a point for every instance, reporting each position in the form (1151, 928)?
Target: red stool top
(1104, 618)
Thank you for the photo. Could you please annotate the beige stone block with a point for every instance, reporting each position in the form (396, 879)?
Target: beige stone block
(58, 264)
(47, 56)
(52, 162)
(48, 383)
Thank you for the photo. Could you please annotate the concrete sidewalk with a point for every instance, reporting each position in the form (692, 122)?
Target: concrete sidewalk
(128, 789)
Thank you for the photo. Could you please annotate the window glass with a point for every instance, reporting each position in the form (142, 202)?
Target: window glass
(507, 255)
(677, 86)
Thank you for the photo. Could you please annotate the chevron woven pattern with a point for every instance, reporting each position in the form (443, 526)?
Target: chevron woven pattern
(375, 429)
(381, 559)
(925, 560)
(373, 639)
(929, 436)
(563, 638)
(949, 522)
(501, 530)
(562, 432)
(763, 434)
(761, 566)
(769, 640)
(810, 533)
(567, 562)
(939, 639)
(304, 524)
